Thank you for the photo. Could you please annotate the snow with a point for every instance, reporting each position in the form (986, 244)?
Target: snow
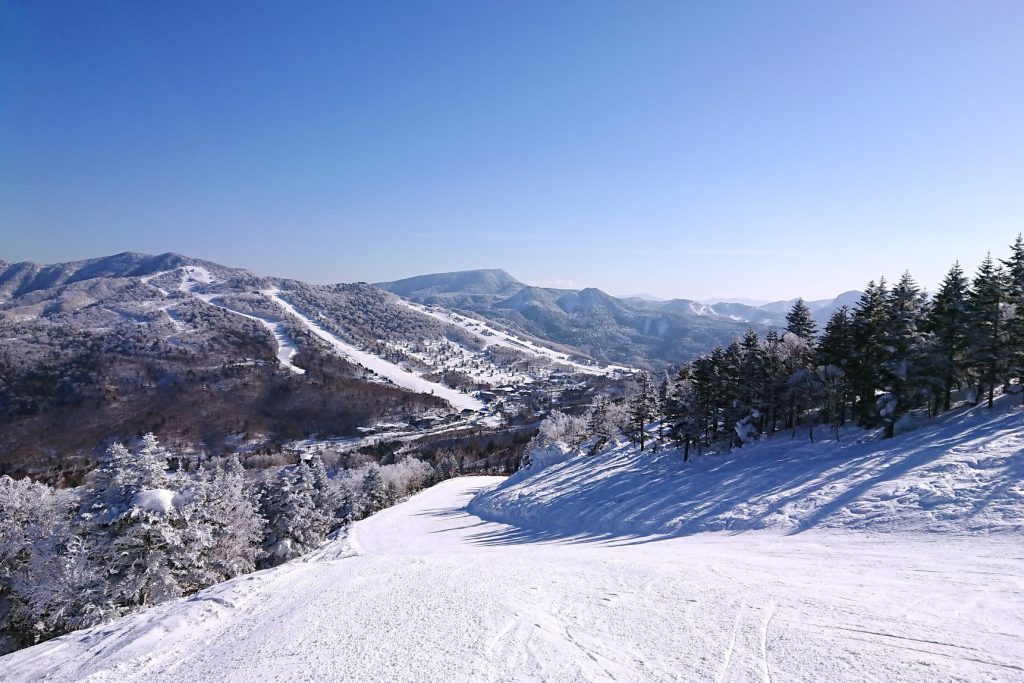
(286, 347)
(389, 371)
(492, 336)
(427, 591)
(962, 474)
(155, 500)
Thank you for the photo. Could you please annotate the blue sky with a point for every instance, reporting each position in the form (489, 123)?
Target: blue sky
(766, 150)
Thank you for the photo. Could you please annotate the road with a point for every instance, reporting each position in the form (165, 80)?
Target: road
(425, 591)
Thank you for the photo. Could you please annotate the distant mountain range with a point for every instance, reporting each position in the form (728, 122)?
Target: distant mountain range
(216, 359)
(635, 330)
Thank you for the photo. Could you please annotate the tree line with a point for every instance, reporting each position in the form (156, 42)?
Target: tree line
(897, 350)
(140, 533)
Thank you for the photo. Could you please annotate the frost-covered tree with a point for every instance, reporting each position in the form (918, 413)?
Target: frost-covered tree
(234, 525)
(447, 465)
(643, 408)
(601, 423)
(374, 490)
(137, 518)
(295, 525)
(46, 580)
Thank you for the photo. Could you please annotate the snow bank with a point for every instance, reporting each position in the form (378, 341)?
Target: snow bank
(963, 473)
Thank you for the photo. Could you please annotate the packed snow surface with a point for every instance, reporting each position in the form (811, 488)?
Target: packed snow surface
(427, 591)
(383, 368)
(962, 473)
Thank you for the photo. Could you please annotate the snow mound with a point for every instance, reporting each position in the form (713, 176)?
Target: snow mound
(160, 501)
(961, 474)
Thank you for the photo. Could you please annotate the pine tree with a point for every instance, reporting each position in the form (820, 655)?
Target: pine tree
(600, 424)
(985, 300)
(948, 325)
(903, 368)
(374, 490)
(1015, 312)
(800, 321)
(868, 332)
(235, 527)
(643, 408)
(835, 349)
(295, 525)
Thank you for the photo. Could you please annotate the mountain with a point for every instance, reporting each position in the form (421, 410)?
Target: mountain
(636, 331)
(446, 288)
(215, 359)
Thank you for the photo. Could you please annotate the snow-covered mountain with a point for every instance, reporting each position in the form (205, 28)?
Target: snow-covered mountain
(124, 344)
(636, 331)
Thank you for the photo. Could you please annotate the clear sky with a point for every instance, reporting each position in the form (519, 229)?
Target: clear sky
(694, 149)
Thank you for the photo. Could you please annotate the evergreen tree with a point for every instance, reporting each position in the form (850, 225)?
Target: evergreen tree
(800, 321)
(295, 525)
(835, 350)
(375, 495)
(235, 527)
(600, 424)
(643, 408)
(903, 370)
(868, 333)
(985, 300)
(1015, 312)
(948, 325)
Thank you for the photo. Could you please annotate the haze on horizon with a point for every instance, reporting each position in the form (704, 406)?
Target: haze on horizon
(764, 151)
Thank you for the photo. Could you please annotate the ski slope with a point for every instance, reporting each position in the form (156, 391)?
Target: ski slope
(492, 336)
(427, 591)
(962, 473)
(381, 367)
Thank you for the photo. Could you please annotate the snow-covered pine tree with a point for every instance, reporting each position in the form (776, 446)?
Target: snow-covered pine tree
(137, 530)
(235, 527)
(374, 490)
(295, 525)
(643, 408)
(600, 424)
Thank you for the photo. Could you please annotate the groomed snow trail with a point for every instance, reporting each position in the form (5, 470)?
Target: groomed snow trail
(437, 594)
(386, 369)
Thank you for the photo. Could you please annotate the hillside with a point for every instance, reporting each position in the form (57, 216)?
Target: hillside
(961, 474)
(113, 347)
(634, 331)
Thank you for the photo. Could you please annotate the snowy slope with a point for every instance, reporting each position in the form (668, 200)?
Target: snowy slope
(963, 473)
(386, 369)
(492, 336)
(437, 594)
